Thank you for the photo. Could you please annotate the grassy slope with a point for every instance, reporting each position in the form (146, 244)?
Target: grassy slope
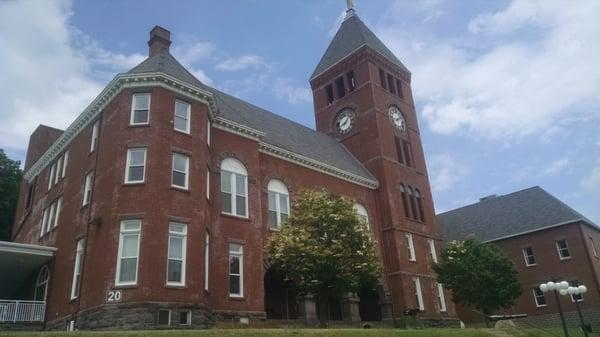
(264, 333)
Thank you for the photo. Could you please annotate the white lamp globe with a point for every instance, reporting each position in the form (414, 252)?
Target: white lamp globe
(564, 285)
(582, 289)
(543, 287)
(563, 292)
(551, 286)
(571, 290)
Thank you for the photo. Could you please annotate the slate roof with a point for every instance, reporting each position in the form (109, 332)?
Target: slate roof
(506, 215)
(279, 131)
(353, 34)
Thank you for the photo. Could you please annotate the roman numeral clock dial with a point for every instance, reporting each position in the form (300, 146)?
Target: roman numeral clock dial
(344, 121)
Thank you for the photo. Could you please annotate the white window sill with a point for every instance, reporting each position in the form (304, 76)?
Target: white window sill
(242, 217)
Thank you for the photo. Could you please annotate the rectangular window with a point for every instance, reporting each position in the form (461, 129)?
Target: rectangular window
(58, 209)
(433, 251)
(58, 170)
(339, 85)
(278, 209)
(418, 293)
(181, 120)
(206, 259)
(51, 217)
(538, 297)
(234, 194)
(65, 161)
(529, 257)
(441, 297)
(77, 270)
(407, 153)
(164, 317)
(94, 141)
(399, 152)
(136, 165)
(140, 109)
(87, 189)
(329, 91)
(208, 184)
(208, 126)
(563, 249)
(576, 297)
(399, 88)
(181, 166)
(44, 221)
(236, 273)
(594, 250)
(382, 80)
(30, 194)
(51, 176)
(185, 317)
(177, 252)
(391, 83)
(351, 80)
(128, 255)
(411, 247)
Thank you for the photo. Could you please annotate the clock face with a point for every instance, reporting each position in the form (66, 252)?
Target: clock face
(397, 118)
(344, 121)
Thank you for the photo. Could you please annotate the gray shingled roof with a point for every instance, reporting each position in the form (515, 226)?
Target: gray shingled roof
(353, 34)
(497, 217)
(279, 131)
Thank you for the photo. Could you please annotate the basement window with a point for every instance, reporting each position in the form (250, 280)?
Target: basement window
(329, 90)
(339, 84)
(351, 80)
(164, 317)
(185, 317)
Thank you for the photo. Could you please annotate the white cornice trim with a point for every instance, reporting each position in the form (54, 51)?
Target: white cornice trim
(236, 128)
(569, 222)
(115, 86)
(23, 248)
(316, 165)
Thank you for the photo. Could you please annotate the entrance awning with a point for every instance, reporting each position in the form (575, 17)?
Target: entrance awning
(17, 262)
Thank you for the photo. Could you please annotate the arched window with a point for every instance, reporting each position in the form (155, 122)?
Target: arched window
(420, 205)
(362, 213)
(41, 284)
(404, 200)
(279, 203)
(413, 203)
(234, 187)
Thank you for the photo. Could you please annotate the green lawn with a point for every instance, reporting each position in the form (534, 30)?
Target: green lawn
(265, 333)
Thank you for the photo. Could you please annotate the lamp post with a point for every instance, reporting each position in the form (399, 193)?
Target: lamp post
(556, 287)
(577, 291)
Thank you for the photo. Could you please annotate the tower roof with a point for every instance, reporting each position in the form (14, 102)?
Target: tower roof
(352, 35)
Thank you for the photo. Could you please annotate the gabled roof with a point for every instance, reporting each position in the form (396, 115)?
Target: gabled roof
(508, 215)
(352, 35)
(279, 131)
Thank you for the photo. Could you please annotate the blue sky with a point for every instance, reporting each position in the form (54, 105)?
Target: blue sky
(507, 92)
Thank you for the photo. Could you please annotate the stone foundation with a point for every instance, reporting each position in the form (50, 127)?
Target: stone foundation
(135, 316)
(590, 316)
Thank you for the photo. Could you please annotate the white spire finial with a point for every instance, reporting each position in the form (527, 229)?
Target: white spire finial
(350, 8)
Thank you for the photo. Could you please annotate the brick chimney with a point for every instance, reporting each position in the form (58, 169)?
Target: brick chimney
(160, 40)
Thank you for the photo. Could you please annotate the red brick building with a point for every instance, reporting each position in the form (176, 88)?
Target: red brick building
(547, 241)
(158, 198)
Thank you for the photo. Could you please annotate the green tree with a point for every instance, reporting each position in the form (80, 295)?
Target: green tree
(324, 249)
(10, 180)
(479, 275)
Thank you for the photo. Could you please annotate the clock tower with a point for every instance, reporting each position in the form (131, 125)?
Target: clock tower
(362, 97)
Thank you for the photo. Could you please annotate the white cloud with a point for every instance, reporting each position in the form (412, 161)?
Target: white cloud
(293, 94)
(559, 166)
(241, 63)
(50, 70)
(497, 83)
(445, 172)
(591, 182)
(193, 52)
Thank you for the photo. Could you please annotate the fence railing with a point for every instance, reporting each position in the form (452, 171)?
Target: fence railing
(22, 311)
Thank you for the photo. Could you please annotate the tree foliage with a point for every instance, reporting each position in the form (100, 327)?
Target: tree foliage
(10, 180)
(324, 248)
(479, 275)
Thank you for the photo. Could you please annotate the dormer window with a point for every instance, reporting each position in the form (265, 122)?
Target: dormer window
(140, 109)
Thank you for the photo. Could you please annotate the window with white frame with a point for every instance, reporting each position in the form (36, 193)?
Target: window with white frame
(44, 221)
(208, 126)
(563, 249)
(362, 213)
(576, 297)
(164, 317)
(57, 211)
(206, 259)
(65, 161)
(441, 297)
(87, 189)
(234, 187)
(77, 269)
(128, 255)
(279, 203)
(94, 140)
(180, 172)
(418, 293)
(529, 256)
(140, 109)
(432, 251)
(538, 297)
(181, 120)
(411, 247)
(51, 176)
(135, 167)
(41, 285)
(58, 170)
(594, 249)
(176, 254)
(185, 317)
(236, 270)
(208, 184)
(50, 216)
